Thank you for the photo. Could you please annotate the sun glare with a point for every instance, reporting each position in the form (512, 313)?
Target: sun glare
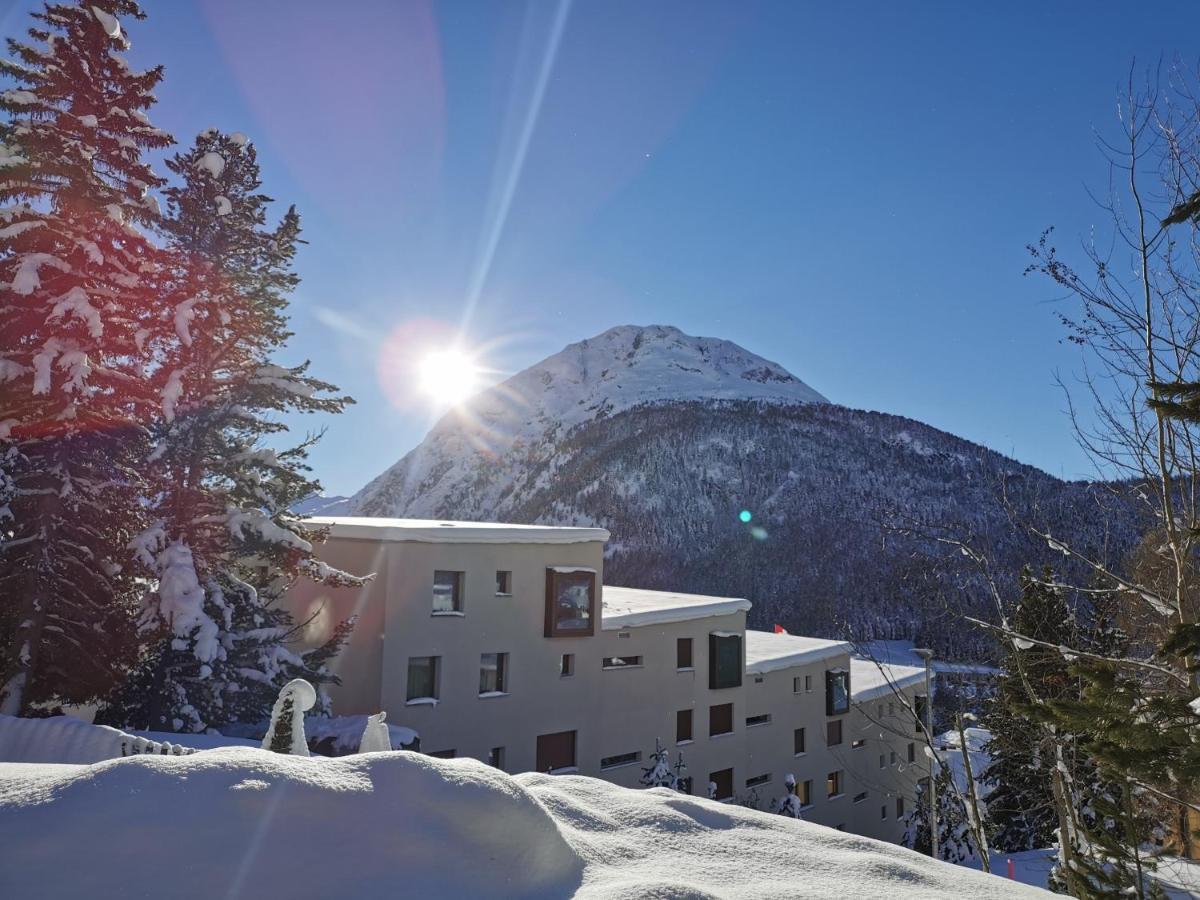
(448, 377)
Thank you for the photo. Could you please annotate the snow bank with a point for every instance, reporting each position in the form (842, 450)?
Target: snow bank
(63, 739)
(240, 822)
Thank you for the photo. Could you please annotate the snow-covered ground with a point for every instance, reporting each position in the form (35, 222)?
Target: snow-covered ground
(241, 822)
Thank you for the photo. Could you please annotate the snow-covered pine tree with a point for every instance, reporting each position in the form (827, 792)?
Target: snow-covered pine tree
(1021, 801)
(955, 843)
(285, 732)
(79, 282)
(790, 805)
(223, 546)
(659, 773)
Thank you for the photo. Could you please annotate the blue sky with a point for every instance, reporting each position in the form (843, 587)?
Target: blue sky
(845, 188)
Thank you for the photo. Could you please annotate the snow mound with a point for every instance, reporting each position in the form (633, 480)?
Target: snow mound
(62, 739)
(241, 822)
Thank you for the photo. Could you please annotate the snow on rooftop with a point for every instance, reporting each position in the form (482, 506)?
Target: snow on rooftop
(244, 822)
(869, 679)
(770, 652)
(435, 531)
(625, 607)
(901, 652)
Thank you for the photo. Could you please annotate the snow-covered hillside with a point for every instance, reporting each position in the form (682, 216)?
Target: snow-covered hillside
(522, 419)
(245, 823)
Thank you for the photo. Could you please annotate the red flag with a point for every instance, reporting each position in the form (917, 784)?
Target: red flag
(779, 629)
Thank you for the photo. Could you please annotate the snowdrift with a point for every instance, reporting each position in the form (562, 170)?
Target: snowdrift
(240, 822)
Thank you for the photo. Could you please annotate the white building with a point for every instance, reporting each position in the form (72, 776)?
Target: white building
(501, 642)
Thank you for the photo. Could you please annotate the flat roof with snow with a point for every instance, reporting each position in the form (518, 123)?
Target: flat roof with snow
(869, 679)
(434, 531)
(770, 652)
(624, 607)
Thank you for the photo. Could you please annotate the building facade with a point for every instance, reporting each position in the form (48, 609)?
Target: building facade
(501, 642)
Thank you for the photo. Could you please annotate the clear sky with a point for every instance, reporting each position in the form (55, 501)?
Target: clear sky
(845, 188)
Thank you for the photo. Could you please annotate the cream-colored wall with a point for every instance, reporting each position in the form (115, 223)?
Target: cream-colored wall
(613, 712)
(885, 726)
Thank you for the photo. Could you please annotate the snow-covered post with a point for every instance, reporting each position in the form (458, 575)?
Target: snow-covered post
(375, 737)
(790, 805)
(286, 733)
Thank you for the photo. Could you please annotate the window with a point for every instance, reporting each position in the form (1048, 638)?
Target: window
(683, 653)
(422, 678)
(683, 726)
(496, 758)
(899, 807)
(720, 719)
(758, 780)
(808, 684)
(857, 745)
(837, 692)
(892, 757)
(833, 784)
(556, 751)
(567, 666)
(882, 761)
(891, 709)
(883, 812)
(685, 785)
(859, 798)
(797, 685)
(804, 792)
(752, 721)
(798, 741)
(570, 602)
(912, 752)
(720, 784)
(920, 710)
(447, 592)
(442, 754)
(616, 762)
(493, 673)
(724, 660)
(833, 733)
(620, 662)
(503, 584)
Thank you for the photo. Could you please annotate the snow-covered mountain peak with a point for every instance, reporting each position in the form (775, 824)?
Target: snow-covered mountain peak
(527, 414)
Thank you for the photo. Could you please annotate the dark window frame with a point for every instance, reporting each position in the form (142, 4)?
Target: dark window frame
(435, 667)
(832, 678)
(834, 727)
(681, 716)
(554, 581)
(684, 660)
(456, 592)
(835, 784)
(717, 778)
(723, 671)
(501, 674)
(620, 760)
(547, 746)
(616, 663)
(504, 582)
(799, 739)
(726, 714)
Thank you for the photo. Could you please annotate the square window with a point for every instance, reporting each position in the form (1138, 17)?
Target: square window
(724, 660)
(683, 726)
(720, 785)
(683, 653)
(798, 741)
(833, 733)
(570, 602)
(496, 758)
(422, 678)
(912, 752)
(556, 751)
(833, 784)
(567, 666)
(720, 719)
(837, 692)
(493, 673)
(804, 792)
(503, 584)
(447, 591)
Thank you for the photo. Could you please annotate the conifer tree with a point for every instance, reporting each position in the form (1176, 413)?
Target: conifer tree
(223, 546)
(78, 283)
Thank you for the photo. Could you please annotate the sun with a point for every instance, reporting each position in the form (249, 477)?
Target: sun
(448, 377)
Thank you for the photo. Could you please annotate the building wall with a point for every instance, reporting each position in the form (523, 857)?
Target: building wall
(885, 727)
(612, 711)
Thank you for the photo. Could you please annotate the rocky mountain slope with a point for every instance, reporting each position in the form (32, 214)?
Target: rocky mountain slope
(666, 439)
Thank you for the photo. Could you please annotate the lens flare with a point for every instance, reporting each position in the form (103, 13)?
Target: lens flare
(744, 516)
(448, 377)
